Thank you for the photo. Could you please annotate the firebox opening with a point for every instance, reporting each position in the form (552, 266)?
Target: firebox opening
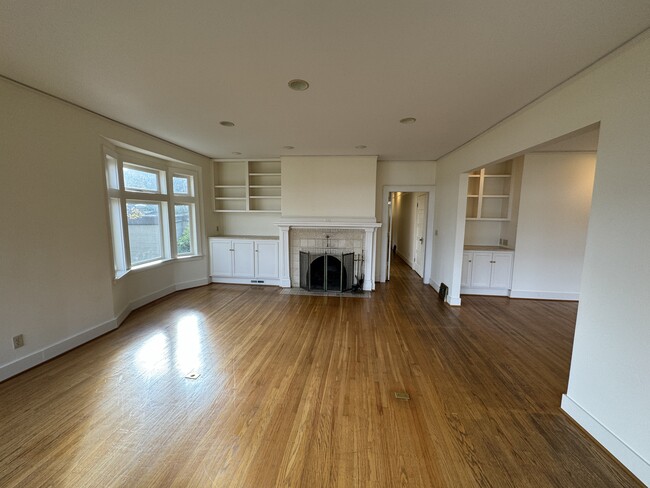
(326, 272)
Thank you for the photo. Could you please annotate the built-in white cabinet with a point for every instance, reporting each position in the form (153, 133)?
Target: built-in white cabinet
(244, 260)
(266, 259)
(486, 272)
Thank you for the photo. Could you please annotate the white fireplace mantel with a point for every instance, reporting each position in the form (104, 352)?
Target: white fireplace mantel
(369, 247)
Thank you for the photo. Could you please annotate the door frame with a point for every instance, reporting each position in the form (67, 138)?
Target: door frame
(415, 234)
(428, 251)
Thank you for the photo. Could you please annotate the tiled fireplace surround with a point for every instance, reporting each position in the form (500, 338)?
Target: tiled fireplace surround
(344, 236)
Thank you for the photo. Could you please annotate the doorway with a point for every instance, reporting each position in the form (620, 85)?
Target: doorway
(407, 232)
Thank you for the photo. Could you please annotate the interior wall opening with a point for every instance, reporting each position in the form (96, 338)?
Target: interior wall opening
(526, 220)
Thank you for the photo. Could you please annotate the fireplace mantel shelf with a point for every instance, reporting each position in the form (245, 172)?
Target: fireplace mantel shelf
(329, 223)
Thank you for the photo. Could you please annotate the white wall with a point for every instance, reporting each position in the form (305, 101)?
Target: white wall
(609, 391)
(247, 224)
(482, 233)
(329, 186)
(553, 219)
(392, 173)
(55, 258)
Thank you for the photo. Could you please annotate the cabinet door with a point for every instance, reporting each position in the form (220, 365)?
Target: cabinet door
(266, 259)
(243, 262)
(220, 258)
(466, 275)
(501, 270)
(481, 270)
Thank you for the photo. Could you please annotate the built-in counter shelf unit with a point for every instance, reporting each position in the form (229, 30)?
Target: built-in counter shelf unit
(487, 270)
(247, 186)
(489, 193)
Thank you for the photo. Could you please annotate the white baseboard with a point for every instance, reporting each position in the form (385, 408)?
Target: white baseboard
(621, 451)
(434, 285)
(496, 292)
(545, 295)
(152, 297)
(186, 285)
(247, 281)
(58, 348)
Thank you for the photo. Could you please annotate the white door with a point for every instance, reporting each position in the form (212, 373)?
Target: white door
(501, 270)
(420, 230)
(481, 269)
(466, 274)
(220, 258)
(243, 259)
(266, 259)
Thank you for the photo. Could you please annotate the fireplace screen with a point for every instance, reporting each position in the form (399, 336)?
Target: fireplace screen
(326, 272)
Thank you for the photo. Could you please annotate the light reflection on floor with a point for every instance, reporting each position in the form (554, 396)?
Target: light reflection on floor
(154, 356)
(187, 353)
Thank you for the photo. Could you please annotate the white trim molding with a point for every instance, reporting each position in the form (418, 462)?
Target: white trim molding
(632, 460)
(428, 245)
(545, 295)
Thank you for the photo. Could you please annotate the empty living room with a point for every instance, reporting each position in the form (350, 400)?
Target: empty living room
(325, 244)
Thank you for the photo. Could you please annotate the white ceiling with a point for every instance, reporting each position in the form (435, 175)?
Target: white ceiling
(175, 69)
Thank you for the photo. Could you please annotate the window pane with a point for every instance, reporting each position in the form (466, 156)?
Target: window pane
(184, 234)
(145, 232)
(181, 185)
(138, 180)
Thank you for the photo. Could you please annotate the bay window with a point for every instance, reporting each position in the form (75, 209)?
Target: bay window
(152, 210)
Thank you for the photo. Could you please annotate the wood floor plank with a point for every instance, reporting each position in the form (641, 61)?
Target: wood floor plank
(298, 391)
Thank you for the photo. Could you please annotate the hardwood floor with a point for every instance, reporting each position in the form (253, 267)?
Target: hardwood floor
(299, 391)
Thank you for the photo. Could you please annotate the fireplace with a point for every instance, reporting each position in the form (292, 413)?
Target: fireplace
(321, 237)
(326, 272)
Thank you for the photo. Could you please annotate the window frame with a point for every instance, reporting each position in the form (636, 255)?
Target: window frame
(115, 160)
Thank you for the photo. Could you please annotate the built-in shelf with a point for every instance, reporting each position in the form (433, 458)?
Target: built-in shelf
(247, 186)
(488, 193)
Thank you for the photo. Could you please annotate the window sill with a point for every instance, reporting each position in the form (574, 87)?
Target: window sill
(156, 264)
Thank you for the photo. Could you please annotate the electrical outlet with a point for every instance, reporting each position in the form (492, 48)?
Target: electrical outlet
(19, 341)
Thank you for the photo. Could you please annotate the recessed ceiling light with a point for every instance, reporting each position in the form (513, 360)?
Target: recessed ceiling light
(298, 85)
(236, 153)
(288, 147)
(407, 120)
(227, 123)
(360, 146)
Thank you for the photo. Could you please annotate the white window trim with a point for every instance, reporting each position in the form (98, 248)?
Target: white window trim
(119, 231)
